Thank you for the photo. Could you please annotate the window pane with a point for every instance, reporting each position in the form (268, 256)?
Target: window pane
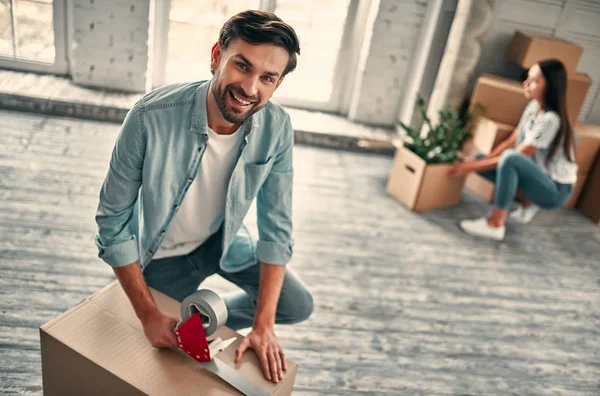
(319, 26)
(35, 30)
(194, 27)
(6, 41)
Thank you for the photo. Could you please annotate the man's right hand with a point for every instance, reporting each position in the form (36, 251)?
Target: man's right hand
(158, 327)
(159, 330)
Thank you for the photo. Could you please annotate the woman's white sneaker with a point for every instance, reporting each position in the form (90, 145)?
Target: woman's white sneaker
(523, 215)
(481, 228)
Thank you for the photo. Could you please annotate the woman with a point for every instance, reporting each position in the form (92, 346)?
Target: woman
(541, 170)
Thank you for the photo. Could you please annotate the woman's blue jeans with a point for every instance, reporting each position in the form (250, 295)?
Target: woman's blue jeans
(517, 171)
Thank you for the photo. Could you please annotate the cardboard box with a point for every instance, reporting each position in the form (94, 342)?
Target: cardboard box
(578, 86)
(421, 186)
(487, 134)
(587, 145)
(99, 348)
(589, 202)
(503, 100)
(527, 48)
(480, 186)
(577, 189)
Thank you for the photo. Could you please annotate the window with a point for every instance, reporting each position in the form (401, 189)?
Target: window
(193, 28)
(32, 35)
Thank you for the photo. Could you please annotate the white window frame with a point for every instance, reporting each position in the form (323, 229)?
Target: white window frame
(60, 65)
(346, 64)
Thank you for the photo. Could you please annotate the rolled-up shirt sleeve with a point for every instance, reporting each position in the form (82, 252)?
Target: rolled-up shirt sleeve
(542, 132)
(274, 205)
(116, 243)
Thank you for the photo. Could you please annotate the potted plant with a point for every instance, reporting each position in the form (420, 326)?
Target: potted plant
(419, 177)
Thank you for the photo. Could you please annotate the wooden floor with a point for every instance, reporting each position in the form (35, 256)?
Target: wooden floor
(405, 303)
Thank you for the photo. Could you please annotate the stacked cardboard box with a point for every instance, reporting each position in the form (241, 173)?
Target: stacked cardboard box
(589, 203)
(587, 149)
(503, 101)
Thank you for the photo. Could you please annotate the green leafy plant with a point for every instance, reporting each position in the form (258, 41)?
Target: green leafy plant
(444, 141)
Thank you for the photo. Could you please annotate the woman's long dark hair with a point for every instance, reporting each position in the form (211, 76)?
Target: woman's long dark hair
(555, 99)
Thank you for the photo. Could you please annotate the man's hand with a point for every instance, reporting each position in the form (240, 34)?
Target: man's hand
(270, 354)
(158, 329)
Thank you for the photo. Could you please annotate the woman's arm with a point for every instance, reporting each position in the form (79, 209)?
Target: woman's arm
(507, 143)
(486, 163)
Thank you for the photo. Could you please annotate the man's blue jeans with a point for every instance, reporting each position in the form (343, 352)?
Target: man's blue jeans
(180, 276)
(516, 171)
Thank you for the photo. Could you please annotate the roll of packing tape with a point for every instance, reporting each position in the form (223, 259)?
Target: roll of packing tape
(213, 312)
(209, 305)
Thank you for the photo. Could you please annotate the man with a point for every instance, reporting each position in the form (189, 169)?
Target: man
(187, 164)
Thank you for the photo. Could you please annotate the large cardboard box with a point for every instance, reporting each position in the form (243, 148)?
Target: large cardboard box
(587, 145)
(527, 48)
(487, 134)
(578, 86)
(421, 186)
(589, 202)
(503, 100)
(99, 348)
(577, 189)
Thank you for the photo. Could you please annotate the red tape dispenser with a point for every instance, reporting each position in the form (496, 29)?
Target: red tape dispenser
(202, 314)
(192, 339)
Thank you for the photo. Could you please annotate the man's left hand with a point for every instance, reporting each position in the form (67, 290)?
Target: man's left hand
(271, 356)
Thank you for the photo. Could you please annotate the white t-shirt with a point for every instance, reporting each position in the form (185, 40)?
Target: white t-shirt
(202, 210)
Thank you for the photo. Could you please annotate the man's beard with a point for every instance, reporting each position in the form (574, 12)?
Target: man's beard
(230, 113)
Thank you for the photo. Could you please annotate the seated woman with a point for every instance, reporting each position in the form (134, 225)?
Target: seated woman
(541, 168)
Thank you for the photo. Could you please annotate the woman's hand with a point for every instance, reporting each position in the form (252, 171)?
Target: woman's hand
(458, 170)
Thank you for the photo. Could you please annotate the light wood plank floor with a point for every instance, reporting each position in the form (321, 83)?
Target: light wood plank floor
(405, 303)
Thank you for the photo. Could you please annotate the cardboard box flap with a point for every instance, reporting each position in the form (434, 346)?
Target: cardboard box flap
(105, 330)
(486, 135)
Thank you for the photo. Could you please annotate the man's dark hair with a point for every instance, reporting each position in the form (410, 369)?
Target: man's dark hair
(261, 27)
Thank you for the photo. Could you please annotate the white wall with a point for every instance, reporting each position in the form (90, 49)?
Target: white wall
(427, 58)
(109, 43)
(383, 72)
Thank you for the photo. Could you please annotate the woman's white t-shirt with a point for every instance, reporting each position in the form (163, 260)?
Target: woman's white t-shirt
(539, 130)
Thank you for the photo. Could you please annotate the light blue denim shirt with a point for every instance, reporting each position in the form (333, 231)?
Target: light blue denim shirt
(155, 159)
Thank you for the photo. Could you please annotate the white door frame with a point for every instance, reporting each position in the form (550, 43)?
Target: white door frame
(61, 64)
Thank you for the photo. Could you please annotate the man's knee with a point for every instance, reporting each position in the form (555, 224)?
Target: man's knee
(307, 307)
(299, 306)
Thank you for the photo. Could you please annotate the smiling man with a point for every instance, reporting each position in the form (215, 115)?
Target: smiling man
(187, 164)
